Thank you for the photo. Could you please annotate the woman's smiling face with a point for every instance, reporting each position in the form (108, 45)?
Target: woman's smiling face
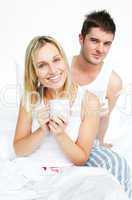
(50, 67)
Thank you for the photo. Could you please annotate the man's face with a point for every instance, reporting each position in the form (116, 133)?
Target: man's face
(96, 45)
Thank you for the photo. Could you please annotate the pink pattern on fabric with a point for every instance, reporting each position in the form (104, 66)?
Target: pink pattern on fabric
(52, 169)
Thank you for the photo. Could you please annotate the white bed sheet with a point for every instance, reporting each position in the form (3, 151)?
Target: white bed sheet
(22, 179)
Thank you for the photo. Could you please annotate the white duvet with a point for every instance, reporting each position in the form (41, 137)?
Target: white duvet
(23, 179)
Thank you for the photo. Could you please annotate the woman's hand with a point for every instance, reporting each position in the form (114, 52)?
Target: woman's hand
(57, 125)
(42, 115)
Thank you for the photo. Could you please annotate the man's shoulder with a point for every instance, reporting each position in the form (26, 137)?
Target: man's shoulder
(115, 78)
(115, 82)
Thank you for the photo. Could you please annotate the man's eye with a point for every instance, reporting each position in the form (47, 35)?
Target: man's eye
(107, 44)
(93, 40)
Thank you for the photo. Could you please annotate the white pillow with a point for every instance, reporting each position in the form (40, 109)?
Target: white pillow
(8, 105)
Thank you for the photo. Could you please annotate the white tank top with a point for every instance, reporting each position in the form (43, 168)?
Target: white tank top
(49, 153)
(100, 84)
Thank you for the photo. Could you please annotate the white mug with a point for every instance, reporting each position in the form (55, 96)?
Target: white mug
(60, 107)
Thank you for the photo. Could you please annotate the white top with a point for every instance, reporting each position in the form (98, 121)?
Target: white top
(49, 153)
(100, 84)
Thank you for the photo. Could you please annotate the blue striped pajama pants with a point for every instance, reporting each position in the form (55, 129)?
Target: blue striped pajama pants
(106, 158)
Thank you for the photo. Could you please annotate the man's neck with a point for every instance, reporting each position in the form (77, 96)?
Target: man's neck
(84, 73)
(84, 66)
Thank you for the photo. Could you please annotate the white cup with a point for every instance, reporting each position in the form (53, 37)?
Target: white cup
(60, 107)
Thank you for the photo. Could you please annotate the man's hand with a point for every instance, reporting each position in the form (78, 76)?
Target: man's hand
(104, 108)
(107, 145)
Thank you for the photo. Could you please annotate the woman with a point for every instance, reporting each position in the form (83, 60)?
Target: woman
(57, 146)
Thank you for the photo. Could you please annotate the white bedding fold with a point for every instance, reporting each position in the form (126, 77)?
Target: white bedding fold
(25, 180)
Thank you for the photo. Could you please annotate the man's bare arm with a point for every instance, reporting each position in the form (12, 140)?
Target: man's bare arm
(113, 90)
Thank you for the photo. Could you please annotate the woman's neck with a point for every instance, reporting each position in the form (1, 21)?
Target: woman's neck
(52, 94)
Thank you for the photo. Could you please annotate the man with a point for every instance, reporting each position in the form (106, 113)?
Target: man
(91, 72)
(89, 69)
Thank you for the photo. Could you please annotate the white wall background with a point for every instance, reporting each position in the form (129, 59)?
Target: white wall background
(21, 20)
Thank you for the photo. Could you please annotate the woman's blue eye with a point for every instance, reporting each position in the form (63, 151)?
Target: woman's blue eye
(40, 66)
(57, 59)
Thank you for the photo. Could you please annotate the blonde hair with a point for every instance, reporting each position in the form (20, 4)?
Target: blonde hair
(30, 77)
